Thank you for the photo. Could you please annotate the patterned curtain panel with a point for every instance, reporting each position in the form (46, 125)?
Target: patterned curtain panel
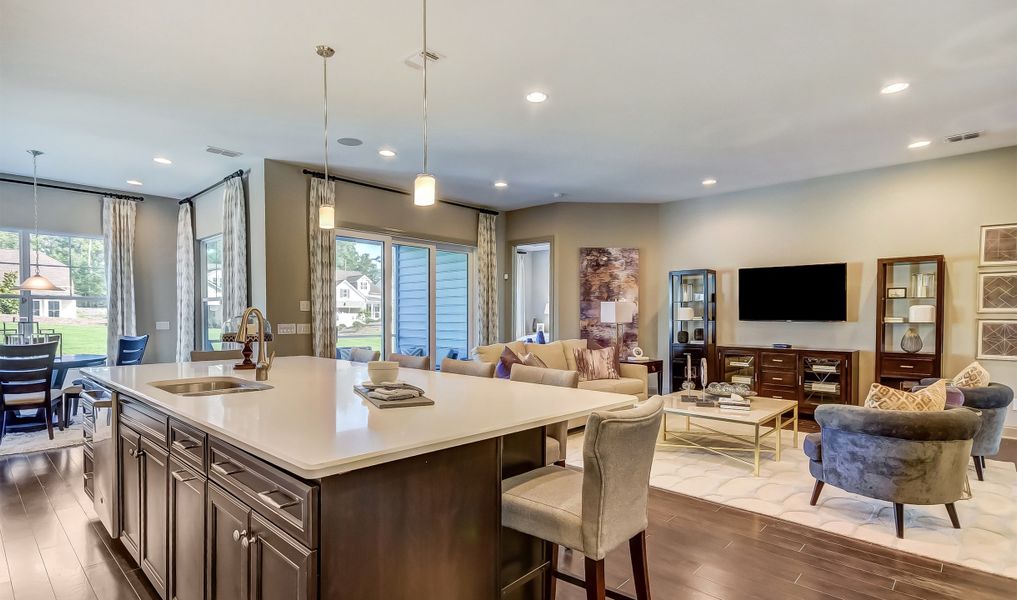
(234, 249)
(487, 281)
(322, 254)
(118, 217)
(185, 283)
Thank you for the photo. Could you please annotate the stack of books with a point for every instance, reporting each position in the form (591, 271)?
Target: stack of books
(735, 402)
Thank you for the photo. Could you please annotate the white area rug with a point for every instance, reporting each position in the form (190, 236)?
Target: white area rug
(986, 541)
(19, 443)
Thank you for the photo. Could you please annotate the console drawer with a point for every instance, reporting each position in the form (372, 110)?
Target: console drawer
(780, 393)
(145, 420)
(908, 367)
(286, 501)
(778, 378)
(188, 444)
(778, 360)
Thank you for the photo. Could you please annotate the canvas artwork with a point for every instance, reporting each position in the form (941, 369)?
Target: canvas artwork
(999, 245)
(997, 292)
(997, 340)
(608, 274)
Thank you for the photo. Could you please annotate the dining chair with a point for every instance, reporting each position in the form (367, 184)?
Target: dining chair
(595, 510)
(26, 373)
(411, 362)
(363, 355)
(473, 368)
(201, 355)
(131, 349)
(556, 434)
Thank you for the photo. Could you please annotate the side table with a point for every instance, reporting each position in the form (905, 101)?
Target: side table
(653, 365)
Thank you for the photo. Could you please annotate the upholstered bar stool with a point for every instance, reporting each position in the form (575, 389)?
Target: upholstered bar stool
(467, 367)
(411, 362)
(596, 510)
(557, 434)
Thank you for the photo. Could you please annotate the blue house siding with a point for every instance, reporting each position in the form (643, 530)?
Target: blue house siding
(410, 288)
(452, 312)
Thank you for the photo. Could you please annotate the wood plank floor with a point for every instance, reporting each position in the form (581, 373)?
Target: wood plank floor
(54, 548)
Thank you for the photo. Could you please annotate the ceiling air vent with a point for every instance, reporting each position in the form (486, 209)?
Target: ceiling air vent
(963, 137)
(223, 151)
(416, 60)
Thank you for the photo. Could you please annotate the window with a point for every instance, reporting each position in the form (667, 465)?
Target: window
(74, 263)
(344, 292)
(365, 284)
(358, 319)
(210, 288)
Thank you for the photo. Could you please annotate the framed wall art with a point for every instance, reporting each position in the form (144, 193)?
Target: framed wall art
(998, 246)
(997, 292)
(997, 340)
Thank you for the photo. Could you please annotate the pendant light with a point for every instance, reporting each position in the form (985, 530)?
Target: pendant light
(326, 211)
(424, 185)
(37, 283)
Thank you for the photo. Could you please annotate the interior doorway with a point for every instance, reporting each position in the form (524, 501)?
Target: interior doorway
(532, 302)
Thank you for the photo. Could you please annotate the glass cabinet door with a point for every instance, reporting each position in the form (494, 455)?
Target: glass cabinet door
(739, 368)
(821, 379)
(689, 308)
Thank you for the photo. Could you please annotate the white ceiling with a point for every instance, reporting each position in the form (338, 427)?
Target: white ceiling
(646, 97)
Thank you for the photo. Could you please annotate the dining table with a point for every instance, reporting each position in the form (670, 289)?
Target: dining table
(36, 420)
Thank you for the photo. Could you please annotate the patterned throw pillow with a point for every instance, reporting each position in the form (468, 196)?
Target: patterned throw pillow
(932, 398)
(595, 364)
(509, 358)
(973, 375)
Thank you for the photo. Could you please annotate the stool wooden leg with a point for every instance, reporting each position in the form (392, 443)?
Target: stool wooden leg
(549, 581)
(898, 518)
(595, 587)
(640, 567)
(953, 515)
(978, 467)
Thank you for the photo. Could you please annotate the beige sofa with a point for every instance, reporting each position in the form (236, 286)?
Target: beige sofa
(559, 355)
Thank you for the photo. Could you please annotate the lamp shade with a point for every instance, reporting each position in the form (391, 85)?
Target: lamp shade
(424, 190)
(684, 313)
(922, 313)
(326, 216)
(621, 311)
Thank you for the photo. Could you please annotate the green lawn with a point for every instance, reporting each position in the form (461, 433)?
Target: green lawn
(81, 339)
(373, 342)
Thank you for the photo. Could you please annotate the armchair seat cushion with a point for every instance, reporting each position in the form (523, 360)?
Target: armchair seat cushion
(813, 446)
(546, 503)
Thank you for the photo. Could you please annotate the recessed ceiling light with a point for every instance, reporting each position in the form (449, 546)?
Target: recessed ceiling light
(918, 144)
(896, 87)
(501, 184)
(134, 182)
(536, 97)
(350, 141)
(386, 153)
(162, 160)
(709, 181)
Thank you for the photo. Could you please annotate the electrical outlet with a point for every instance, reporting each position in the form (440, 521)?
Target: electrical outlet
(305, 306)
(162, 325)
(286, 329)
(304, 328)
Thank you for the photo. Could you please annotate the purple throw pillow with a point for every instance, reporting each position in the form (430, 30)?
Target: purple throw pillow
(505, 362)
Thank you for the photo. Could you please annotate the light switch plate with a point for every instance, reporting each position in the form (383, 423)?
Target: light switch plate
(162, 325)
(303, 328)
(305, 306)
(286, 329)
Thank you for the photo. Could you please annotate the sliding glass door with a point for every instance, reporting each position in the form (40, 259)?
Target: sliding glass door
(452, 304)
(359, 294)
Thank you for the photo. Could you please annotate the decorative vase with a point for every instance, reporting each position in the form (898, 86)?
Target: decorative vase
(683, 337)
(697, 334)
(911, 342)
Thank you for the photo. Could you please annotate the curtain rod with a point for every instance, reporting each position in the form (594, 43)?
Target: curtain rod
(69, 188)
(375, 186)
(237, 173)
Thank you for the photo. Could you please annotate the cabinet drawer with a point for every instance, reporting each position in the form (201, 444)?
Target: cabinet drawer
(780, 393)
(188, 444)
(778, 378)
(144, 419)
(777, 360)
(286, 501)
(908, 367)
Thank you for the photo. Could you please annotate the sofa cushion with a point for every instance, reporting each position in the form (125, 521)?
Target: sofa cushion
(973, 375)
(813, 446)
(622, 385)
(596, 364)
(932, 398)
(570, 346)
(491, 353)
(553, 355)
(507, 359)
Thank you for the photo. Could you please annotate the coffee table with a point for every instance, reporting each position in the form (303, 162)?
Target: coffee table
(764, 411)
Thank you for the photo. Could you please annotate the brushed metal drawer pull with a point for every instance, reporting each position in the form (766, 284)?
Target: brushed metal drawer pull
(136, 453)
(226, 468)
(266, 497)
(183, 476)
(186, 445)
(239, 534)
(780, 360)
(907, 366)
(775, 379)
(246, 542)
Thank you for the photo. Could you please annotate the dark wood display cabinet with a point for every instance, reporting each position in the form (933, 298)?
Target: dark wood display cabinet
(909, 319)
(693, 320)
(812, 377)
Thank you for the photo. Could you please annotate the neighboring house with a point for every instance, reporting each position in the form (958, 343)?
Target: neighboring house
(55, 271)
(356, 297)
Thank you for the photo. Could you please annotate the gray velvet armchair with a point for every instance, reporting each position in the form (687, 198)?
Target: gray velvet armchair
(901, 457)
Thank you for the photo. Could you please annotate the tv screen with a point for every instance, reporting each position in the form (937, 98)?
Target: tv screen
(797, 293)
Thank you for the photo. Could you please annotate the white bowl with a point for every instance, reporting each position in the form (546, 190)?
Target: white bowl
(383, 371)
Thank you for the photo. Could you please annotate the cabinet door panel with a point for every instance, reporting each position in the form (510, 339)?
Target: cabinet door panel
(154, 515)
(187, 533)
(130, 492)
(226, 562)
(281, 568)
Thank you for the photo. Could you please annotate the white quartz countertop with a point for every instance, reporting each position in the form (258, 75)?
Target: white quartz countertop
(311, 422)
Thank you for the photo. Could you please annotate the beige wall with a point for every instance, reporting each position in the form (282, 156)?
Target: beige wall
(931, 207)
(357, 207)
(571, 226)
(155, 243)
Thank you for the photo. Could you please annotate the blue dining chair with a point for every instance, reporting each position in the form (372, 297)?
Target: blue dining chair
(131, 349)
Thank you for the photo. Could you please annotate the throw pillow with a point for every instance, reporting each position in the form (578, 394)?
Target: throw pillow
(532, 360)
(595, 364)
(509, 358)
(973, 375)
(932, 398)
(593, 345)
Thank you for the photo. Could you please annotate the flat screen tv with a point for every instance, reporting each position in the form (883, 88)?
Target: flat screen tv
(795, 293)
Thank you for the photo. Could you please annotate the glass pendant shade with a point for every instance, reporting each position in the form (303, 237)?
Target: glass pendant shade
(38, 283)
(326, 216)
(423, 190)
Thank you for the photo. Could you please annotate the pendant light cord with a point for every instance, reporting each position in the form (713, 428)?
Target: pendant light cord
(324, 81)
(35, 201)
(425, 85)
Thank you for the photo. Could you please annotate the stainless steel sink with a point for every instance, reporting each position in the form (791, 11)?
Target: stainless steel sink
(209, 386)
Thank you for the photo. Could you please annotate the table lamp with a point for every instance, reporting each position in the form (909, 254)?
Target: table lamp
(617, 313)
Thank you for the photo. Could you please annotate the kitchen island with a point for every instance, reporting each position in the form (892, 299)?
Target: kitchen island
(304, 490)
